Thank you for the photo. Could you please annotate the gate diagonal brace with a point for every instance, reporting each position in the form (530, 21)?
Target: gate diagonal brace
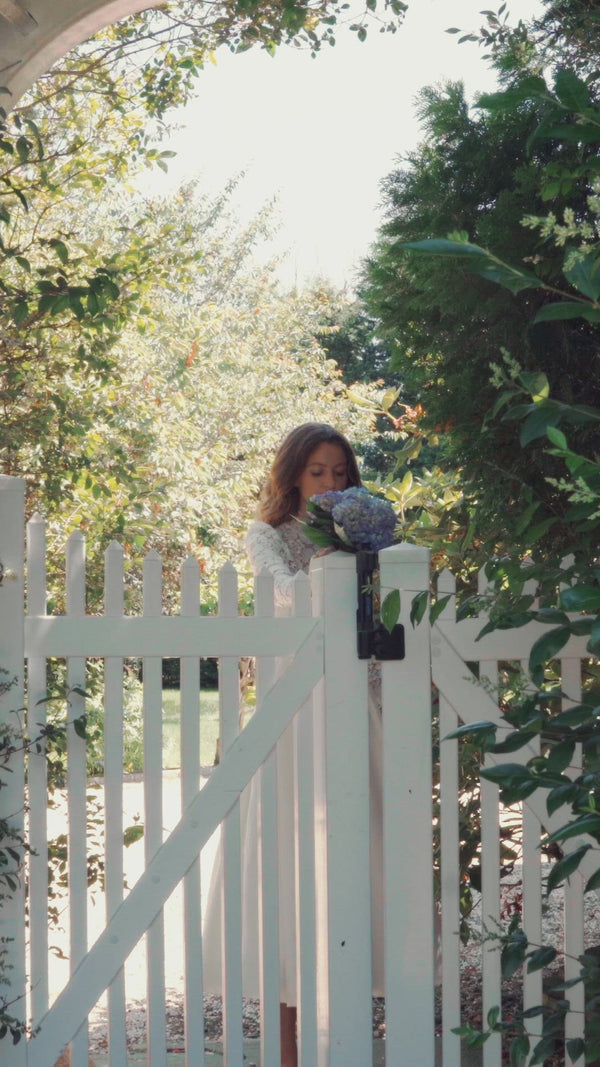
(177, 854)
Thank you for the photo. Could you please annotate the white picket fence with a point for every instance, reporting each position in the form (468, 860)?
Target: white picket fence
(324, 694)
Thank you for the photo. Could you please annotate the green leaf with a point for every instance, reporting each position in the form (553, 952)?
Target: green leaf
(536, 425)
(541, 958)
(79, 726)
(20, 312)
(580, 598)
(567, 309)
(584, 274)
(519, 1050)
(131, 834)
(529, 88)
(537, 384)
(576, 1048)
(418, 607)
(593, 645)
(542, 1051)
(576, 715)
(507, 773)
(512, 956)
(390, 610)
(550, 616)
(585, 824)
(441, 246)
(546, 648)
(557, 438)
(474, 728)
(561, 794)
(61, 250)
(572, 92)
(565, 868)
(514, 741)
(492, 1017)
(560, 756)
(437, 608)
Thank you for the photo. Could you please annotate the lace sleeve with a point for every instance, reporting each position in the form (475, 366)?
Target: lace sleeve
(267, 551)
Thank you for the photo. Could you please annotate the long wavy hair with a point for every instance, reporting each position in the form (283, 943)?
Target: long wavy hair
(280, 498)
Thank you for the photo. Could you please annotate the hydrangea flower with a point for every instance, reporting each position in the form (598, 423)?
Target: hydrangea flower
(360, 520)
(327, 501)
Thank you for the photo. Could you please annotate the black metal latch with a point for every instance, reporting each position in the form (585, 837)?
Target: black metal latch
(373, 640)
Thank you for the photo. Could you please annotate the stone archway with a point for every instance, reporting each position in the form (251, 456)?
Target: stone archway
(35, 33)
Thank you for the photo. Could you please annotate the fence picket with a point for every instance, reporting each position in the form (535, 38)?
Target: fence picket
(77, 784)
(268, 855)
(348, 884)
(12, 920)
(231, 904)
(190, 784)
(153, 816)
(38, 779)
(113, 795)
(305, 866)
(407, 823)
(449, 853)
(573, 888)
(490, 898)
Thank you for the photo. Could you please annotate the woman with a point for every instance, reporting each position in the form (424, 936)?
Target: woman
(313, 458)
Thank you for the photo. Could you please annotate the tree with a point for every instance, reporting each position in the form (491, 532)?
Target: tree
(568, 596)
(212, 368)
(479, 174)
(86, 127)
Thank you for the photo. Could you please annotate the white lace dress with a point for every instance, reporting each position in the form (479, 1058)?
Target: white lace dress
(284, 551)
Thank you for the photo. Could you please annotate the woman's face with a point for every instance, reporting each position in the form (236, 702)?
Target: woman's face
(326, 469)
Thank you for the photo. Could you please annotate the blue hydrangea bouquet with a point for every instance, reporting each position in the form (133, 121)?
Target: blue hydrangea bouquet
(352, 520)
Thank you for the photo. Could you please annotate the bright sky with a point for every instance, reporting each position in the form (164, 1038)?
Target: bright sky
(320, 134)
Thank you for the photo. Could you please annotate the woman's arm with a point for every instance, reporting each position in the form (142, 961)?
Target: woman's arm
(267, 551)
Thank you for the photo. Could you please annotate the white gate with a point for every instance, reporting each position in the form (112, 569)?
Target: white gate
(324, 692)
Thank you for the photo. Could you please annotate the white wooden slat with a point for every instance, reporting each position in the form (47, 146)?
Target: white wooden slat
(113, 795)
(450, 886)
(231, 904)
(502, 644)
(320, 831)
(573, 898)
(12, 924)
(473, 704)
(531, 881)
(305, 862)
(348, 830)
(180, 850)
(268, 855)
(407, 823)
(449, 852)
(168, 636)
(190, 784)
(490, 899)
(532, 908)
(37, 780)
(153, 816)
(532, 891)
(77, 785)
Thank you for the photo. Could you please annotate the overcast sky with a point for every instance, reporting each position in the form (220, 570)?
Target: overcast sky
(320, 134)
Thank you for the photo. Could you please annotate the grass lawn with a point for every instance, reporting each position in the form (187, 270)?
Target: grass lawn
(209, 727)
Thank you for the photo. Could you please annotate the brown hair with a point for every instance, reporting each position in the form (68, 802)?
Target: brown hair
(279, 498)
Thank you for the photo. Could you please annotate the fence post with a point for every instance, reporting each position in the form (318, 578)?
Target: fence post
(344, 984)
(407, 821)
(12, 917)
